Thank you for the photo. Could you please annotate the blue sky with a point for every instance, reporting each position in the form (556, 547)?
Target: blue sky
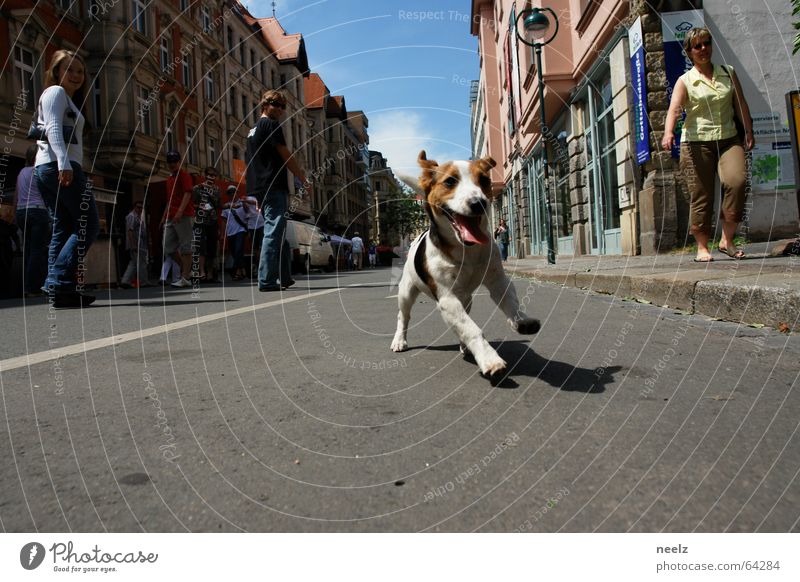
(408, 71)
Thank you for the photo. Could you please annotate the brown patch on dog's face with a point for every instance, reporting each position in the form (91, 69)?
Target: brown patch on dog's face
(438, 182)
(481, 174)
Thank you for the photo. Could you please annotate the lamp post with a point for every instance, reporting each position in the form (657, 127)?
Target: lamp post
(536, 33)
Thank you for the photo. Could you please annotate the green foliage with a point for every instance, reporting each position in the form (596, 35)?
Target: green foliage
(402, 216)
(796, 13)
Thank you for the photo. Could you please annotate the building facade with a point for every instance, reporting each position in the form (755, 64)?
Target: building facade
(604, 198)
(185, 75)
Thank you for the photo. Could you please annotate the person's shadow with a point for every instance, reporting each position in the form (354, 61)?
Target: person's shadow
(523, 361)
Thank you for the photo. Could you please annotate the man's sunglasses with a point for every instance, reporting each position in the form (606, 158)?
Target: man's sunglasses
(277, 104)
(698, 46)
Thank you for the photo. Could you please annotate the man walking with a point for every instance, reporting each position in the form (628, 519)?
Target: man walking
(267, 180)
(136, 244)
(178, 217)
(358, 251)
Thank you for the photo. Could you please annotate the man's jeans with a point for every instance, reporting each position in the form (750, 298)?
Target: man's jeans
(35, 225)
(75, 226)
(137, 266)
(275, 256)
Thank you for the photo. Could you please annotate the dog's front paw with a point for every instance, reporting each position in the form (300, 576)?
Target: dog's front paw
(399, 345)
(494, 368)
(528, 326)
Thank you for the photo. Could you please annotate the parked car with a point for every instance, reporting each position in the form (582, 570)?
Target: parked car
(309, 246)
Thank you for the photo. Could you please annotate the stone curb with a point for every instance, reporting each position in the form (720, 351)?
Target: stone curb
(715, 295)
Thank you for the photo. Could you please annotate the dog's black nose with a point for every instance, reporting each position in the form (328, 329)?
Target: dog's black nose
(478, 207)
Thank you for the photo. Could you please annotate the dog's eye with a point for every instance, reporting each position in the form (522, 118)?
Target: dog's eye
(451, 181)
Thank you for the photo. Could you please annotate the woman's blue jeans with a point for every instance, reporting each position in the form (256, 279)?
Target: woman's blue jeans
(75, 226)
(275, 262)
(35, 225)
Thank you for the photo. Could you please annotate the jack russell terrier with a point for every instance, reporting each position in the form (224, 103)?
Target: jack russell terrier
(456, 255)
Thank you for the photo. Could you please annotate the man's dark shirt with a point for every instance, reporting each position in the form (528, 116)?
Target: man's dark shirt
(266, 169)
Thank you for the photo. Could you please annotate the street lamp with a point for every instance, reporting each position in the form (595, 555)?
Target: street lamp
(536, 26)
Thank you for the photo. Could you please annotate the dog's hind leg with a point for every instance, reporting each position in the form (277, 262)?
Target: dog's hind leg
(406, 296)
(502, 292)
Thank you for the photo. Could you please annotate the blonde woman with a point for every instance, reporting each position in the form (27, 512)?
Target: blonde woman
(61, 180)
(712, 96)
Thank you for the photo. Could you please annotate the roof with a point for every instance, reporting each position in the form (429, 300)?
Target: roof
(315, 91)
(287, 48)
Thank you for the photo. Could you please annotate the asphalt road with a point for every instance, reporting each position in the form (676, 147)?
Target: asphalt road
(288, 412)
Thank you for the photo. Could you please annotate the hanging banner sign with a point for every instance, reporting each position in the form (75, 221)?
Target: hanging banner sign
(639, 82)
(674, 26)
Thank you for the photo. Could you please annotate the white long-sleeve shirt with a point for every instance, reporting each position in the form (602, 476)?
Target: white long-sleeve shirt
(57, 111)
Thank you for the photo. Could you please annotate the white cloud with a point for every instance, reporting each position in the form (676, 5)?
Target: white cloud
(400, 135)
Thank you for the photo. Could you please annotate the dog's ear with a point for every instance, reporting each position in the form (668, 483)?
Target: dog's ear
(481, 173)
(486, 164)
(428, 175)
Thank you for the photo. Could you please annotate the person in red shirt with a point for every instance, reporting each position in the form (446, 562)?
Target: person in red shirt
(177, 220)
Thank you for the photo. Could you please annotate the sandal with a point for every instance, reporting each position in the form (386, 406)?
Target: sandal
(708, 259)
(734, 254)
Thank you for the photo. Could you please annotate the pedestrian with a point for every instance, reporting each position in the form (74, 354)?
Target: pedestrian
(235, 216)
(207, 198)
(137, 246)
(373, 254)
(710, 144)
(177, 219)
(268, 159)
(59, 176)
(33, 219)
(501, 236)
(357, 250)
(255, 228)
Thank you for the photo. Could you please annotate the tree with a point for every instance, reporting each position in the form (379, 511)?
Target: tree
(402, 216)
(796, 12)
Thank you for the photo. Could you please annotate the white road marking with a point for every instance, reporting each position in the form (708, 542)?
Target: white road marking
(75, 349)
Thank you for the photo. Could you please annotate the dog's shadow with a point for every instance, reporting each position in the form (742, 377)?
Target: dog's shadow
(523, 361)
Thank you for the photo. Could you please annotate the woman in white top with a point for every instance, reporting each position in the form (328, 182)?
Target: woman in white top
(61, 180)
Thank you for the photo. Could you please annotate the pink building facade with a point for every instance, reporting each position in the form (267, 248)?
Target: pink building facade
(603, 201)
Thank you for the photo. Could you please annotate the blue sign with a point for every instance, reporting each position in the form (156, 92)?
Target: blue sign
(639, 81)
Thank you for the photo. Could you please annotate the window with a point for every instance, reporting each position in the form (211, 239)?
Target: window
(191, 145)
(255, 115)
(263, 73)
(139, 20)
(205, 17)
(253, 62)
(212, 152)
(283, 79)
(209, 82)
(187, 71)
(230, 39)
(272, 77)
(245, 109)
(241, 51)
(165, 53)
(235, 153)
(601, 161)
(97, 112)
(144, 110)
(232, 96)
(184, 5)
(377, 185)
(169, 134)
(25, 76)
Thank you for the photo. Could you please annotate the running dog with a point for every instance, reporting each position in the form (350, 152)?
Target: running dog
(456, 255)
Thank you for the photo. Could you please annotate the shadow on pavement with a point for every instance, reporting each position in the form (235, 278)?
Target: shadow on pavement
(523, 361)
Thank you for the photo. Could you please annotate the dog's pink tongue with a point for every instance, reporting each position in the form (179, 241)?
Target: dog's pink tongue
(469, 227)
